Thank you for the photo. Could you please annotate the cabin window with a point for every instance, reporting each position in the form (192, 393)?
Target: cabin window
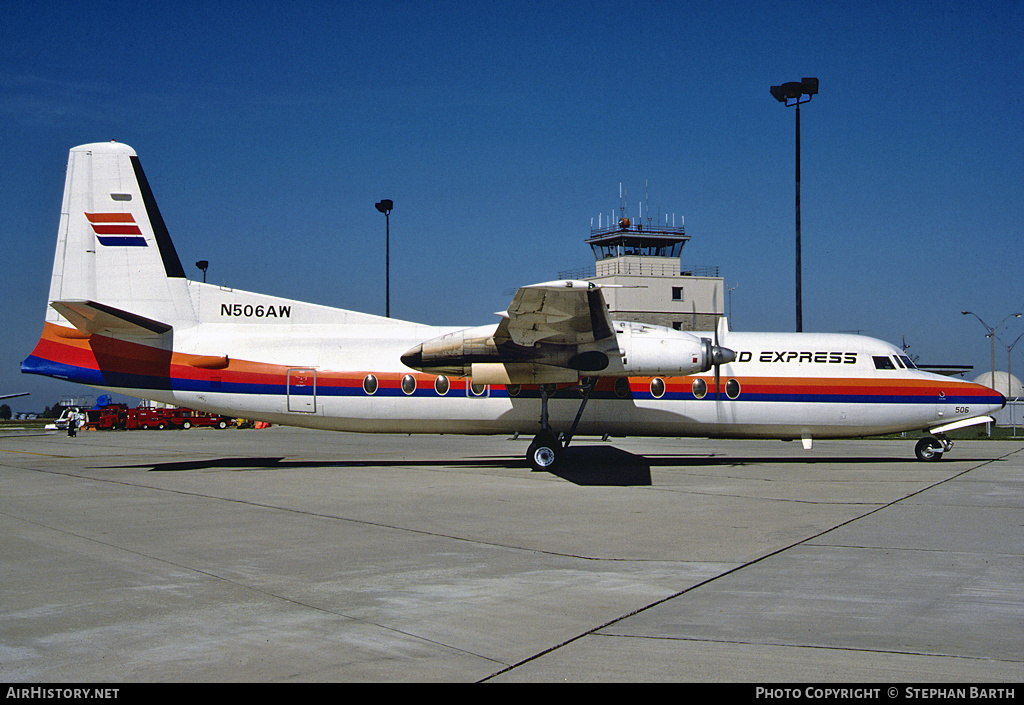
(657, 387)
(513, 389)
(369, 384)
(441, 385)
(732, 388)
(476, 389)
(622, 388)
(883, 362)
(408, 384)
(700, 388)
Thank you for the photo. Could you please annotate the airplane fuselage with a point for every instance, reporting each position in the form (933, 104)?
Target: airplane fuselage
(349, 377)
(122, 316)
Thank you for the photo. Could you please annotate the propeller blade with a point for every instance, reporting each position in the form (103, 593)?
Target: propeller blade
(715, 356)
(720, 356)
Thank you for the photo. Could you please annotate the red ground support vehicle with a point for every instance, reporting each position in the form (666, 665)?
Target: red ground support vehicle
(118, 416)
(107, 418)
(145, 417)
(161, 418)
(188, 418)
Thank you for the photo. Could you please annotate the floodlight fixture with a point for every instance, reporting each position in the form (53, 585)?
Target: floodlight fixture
(792, 93)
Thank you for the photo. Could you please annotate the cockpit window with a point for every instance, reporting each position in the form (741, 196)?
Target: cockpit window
(883, 362)
(908, 362)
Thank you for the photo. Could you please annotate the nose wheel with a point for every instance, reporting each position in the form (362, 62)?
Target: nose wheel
(931, 449)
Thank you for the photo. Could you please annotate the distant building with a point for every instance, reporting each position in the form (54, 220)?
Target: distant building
(640, 266)
(1006, 384)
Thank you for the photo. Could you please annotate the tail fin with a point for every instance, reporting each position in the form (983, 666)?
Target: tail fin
(113, 249)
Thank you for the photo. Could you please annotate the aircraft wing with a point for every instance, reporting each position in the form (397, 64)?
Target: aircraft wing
(557, 313)
(548, 335)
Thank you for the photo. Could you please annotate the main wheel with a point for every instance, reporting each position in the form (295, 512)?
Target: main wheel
(544, 453)
(929, 449)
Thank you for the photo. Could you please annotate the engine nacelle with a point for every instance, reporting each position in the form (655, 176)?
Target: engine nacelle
(656, 351)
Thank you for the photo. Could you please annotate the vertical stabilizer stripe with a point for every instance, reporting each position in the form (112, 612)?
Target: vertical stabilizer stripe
(110, 217)
(116, 229)
(172, 265)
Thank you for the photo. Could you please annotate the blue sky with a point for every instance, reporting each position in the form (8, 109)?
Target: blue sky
(269, 130)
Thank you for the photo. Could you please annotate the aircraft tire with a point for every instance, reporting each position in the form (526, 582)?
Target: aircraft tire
(928, 449)
(544, 453)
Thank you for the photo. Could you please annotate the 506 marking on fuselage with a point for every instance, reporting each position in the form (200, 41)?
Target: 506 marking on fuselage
(257, 311)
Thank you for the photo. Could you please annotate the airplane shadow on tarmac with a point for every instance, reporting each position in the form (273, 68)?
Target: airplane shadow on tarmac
(609, 466)
(603, 465)
(594, 465)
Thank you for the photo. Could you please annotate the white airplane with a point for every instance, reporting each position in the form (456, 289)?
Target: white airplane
(123, 317)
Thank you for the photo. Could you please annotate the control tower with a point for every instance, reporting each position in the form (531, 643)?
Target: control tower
(640, 264)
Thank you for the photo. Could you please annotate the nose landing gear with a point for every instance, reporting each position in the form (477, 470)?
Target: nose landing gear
(931, 449)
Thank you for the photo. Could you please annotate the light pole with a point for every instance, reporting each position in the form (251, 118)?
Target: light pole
(992, 336)
(1009, 381)
(793, 93)
(731, 289)
(385, 206)
(1009, 352)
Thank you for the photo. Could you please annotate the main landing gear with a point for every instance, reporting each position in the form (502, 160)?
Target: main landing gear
(546, 449)
(932, 448)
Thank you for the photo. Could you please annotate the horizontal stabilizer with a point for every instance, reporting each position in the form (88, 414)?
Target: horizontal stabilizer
(91, 317)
